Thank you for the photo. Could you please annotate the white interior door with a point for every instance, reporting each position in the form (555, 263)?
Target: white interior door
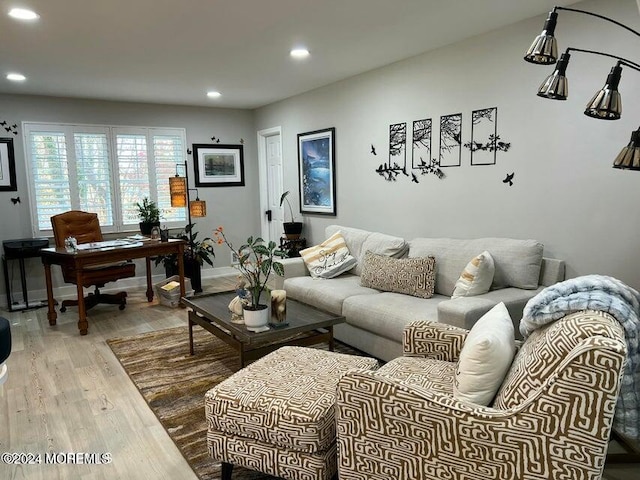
(271, 182)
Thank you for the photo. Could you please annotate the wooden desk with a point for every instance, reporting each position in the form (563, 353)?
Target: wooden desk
(83, 258)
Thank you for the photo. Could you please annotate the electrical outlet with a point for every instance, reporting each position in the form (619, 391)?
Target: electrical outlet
(234, 258)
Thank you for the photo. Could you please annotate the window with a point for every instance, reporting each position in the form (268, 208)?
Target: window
(102, 169)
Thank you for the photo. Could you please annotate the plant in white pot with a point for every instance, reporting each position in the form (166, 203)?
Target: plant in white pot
(256, 263)
(292, 229)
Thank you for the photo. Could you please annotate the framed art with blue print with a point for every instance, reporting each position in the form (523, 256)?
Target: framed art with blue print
(317, 175)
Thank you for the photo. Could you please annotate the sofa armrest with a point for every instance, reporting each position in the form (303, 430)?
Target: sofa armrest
(433, 340)
(464, 312)
(293, 267)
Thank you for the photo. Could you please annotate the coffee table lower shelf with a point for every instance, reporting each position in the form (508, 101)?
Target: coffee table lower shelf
(248, 351)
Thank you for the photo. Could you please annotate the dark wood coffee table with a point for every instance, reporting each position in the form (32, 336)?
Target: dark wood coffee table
(307, 326)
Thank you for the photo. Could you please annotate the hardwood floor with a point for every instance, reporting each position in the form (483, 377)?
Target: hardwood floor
(67, 393)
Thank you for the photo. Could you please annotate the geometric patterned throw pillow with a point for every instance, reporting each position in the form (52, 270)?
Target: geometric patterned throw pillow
(411, 276)
(476, 278)
(329, 259)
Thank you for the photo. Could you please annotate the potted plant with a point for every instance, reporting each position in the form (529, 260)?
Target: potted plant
(292, 229)
(149, 215)
(256, 262)
(196, 254)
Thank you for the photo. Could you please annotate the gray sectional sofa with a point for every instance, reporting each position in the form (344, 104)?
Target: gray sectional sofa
(375, 319)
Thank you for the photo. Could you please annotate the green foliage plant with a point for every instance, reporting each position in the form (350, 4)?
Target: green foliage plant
(256, 263)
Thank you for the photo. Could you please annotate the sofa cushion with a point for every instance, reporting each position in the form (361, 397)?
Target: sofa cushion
(386, 314)
(426, 373)
(517, 262)
(326, 294)
(360, 241)
(413, 276)
(476, 278)
(328, 259)
(485, 357)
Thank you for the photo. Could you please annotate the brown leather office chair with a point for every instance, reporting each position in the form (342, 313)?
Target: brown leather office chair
(85, 227)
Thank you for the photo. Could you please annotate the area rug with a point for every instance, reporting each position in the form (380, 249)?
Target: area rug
(173, 383)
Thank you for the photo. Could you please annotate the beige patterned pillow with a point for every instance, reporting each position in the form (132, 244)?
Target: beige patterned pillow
(329, 259)
(413, 276)
(476, 278)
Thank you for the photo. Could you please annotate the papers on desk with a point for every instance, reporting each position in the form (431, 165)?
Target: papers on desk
(125, 242)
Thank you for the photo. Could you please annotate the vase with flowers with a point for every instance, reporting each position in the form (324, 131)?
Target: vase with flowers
(256, 262)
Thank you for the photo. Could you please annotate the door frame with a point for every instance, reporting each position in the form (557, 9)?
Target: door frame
(263, 177)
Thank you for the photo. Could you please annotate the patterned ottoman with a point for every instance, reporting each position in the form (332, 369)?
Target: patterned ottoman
(277, 415)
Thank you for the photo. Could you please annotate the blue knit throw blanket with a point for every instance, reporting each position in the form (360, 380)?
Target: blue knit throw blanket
(607, 294)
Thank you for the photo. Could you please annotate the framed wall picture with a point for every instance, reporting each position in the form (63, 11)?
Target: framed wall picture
(218, 165)
(317, 174)
(7, 166)
(450, 140)
(484, 130)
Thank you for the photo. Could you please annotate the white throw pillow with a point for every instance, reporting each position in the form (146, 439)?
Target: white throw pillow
(485, 358)
(476, 278)
(329, 259)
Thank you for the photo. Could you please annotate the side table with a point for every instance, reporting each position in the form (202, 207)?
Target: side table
(293, 247)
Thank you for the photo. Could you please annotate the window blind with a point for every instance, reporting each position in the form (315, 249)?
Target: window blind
(102, 169)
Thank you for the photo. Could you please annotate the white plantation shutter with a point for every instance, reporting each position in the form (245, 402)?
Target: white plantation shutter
(93, 175)
(49, 172)
(102, 169)
(133, 173)
(168, 151)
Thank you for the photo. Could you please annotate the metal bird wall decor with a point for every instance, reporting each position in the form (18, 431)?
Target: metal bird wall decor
(9, 128)
(484, 145)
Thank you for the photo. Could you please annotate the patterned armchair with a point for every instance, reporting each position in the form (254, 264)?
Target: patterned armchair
(551, 418)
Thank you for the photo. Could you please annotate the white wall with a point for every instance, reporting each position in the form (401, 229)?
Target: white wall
(234, 207)
(565, 192)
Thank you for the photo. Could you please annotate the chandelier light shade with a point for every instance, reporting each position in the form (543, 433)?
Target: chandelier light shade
(544, 49)
(606, 104)
(556, 85)
(178, 191)
(629, 156)
(198, 208)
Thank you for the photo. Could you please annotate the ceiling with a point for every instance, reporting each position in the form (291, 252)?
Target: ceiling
(174, 51)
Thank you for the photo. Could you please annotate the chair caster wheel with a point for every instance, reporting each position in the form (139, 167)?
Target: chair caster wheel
(63, 309)
(121, 307)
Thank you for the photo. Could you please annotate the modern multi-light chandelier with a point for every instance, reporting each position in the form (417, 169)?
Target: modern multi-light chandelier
(606, 104)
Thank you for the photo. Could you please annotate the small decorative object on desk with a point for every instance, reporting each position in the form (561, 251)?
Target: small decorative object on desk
(71, 244)
(256, 262)
(278, 309)
(164, 234)
(155, 233)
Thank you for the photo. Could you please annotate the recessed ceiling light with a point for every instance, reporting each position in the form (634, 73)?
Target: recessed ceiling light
(23, 14)
(213, 94)
(299, 53)
(16, 77)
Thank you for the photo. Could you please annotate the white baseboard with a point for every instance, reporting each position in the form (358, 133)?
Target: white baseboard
(138, 283)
